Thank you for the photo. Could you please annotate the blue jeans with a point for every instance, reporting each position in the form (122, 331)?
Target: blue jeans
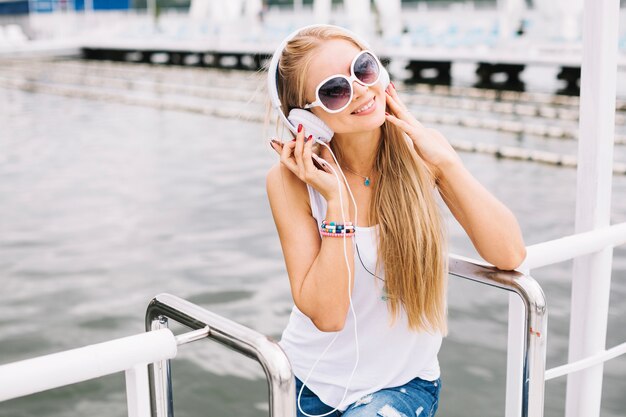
(417, 398)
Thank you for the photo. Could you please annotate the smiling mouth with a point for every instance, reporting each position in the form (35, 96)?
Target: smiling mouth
(367, 106)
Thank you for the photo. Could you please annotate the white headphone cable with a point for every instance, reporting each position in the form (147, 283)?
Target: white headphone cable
(345, 252)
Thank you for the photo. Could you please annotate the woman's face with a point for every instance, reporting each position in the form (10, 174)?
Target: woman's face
(334, 57)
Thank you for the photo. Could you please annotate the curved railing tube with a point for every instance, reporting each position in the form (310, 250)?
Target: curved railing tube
(267, 352)
(536, 324)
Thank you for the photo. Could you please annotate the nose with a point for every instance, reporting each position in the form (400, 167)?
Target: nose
(359, 90)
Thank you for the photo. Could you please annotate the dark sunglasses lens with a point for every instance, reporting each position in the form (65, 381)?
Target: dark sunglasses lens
(366, 68)
(335, 93)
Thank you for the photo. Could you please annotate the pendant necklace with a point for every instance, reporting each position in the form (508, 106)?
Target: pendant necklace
(367, 181)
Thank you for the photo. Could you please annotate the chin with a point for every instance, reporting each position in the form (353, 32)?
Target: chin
(371, 122)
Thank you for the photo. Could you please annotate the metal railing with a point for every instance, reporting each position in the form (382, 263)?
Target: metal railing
(528, 331)
(268, 353)
(149, 388)
(573, 247)
(145, 358)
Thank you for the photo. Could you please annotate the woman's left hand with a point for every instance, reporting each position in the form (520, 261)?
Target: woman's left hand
(429, 143)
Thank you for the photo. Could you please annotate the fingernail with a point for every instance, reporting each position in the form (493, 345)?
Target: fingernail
(392, 84)
(309, 138)
(300, 128)
(293, 140)
(386, 113)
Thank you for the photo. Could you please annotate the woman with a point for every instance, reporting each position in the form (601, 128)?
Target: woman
(392, 164)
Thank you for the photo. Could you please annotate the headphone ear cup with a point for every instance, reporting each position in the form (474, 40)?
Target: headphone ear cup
(384, 78)
(313, 125)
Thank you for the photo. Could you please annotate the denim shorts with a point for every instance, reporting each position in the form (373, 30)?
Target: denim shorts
(416, 398)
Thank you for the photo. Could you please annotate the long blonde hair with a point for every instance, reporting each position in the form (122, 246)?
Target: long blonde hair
(413, 239)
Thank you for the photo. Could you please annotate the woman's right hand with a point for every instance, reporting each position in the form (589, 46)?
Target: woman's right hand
(296, 156)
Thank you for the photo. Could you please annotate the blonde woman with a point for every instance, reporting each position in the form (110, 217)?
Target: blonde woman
(397, 252)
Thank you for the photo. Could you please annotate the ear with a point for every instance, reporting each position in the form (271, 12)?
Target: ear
(313, 125)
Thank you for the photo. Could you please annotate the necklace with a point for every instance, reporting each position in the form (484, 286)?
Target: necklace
(367, 179)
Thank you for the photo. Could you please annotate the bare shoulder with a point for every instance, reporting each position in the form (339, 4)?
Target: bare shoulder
(282, 184)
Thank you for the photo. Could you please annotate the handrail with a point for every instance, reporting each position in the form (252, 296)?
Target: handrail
(55, 370)
(535, 324)
(570, 247)
(596, 359)
(268, 353)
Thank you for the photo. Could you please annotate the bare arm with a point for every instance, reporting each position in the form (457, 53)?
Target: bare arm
(316, 266)
(491, 226)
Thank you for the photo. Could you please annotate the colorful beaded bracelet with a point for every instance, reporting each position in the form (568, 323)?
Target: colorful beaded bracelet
(338, 231)
(336, 227)
(336, 234)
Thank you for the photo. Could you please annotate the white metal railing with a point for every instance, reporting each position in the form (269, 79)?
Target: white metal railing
(131, 354)
(570, 247)
(585, 363)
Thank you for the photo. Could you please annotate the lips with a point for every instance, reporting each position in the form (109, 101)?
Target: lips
(367, 106)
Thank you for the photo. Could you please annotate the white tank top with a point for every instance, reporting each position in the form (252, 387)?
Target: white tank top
(389, 356)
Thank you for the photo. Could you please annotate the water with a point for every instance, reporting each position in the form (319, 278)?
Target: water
(105, 205)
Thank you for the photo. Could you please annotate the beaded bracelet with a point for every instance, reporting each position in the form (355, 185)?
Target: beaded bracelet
(337, 229)
(337, 234)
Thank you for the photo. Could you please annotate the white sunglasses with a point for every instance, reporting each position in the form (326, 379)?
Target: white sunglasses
(335, 93)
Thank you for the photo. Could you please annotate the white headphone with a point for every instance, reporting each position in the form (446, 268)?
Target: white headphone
(312, 124)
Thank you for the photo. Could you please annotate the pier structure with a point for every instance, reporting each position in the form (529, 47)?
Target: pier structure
(502, 41)
(425, 65)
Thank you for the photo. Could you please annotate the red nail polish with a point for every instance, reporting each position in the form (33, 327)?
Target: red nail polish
(387, 113)
(293, 140)
(392, 84)
(309, 138)
(300, 128)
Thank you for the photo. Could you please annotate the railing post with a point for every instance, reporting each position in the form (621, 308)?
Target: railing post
(138, 391)
(592, 273)
(515, 356)
(160, 377)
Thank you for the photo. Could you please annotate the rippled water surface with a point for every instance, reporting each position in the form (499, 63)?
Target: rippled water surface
(105, 204)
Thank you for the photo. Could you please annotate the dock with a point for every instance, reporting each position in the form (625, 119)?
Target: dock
(425, 65)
